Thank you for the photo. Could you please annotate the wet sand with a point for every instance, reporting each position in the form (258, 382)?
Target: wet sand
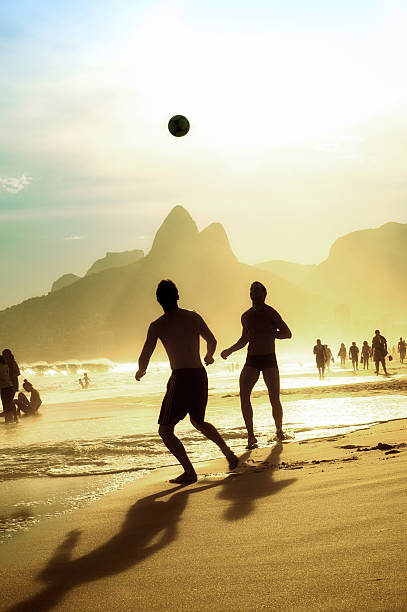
(313, 525)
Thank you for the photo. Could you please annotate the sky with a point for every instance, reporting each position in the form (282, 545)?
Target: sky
(298, 127)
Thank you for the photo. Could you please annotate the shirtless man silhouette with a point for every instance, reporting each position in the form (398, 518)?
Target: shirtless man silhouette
(187, 390)
(261, 326)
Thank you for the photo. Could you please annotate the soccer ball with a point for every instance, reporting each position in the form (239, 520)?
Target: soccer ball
(178, 125)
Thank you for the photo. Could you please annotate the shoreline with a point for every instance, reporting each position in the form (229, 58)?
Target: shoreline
(384, 384)
(336, 506)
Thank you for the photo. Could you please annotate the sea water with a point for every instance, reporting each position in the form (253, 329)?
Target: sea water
(88, 442)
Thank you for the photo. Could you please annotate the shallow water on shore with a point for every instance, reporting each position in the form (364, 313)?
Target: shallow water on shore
(87, 443)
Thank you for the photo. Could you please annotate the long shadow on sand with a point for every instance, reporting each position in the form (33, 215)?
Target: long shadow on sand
(147, 519)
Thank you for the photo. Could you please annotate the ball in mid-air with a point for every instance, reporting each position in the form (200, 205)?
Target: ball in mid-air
(178, 125)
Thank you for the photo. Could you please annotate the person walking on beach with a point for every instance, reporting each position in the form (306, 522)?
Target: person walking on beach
(187, 390)
(401, 347)
(14, 373)
(365, 354)
(320, 358)
(328, 357)
(6, 392)
(354, 356)
(28, 407)
(342, 354)
(261, 325)
(379, 351)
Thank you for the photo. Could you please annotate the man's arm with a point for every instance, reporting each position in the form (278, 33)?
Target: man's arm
(243, 340)
(147, 351)
(210, 339)
(283, 331)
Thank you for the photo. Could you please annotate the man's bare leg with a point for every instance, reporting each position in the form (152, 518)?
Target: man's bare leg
(272, 379)
(176, 447)
(248, 378)
(210, 432)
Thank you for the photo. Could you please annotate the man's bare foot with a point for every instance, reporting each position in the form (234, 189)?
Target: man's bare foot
(185, 478)
(280, 435)
(251, 443)
(232, 460)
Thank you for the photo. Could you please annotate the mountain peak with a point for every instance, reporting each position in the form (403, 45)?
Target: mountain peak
(215, 237)
(177, 227)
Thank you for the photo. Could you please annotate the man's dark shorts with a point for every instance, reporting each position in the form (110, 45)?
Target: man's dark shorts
(187, 393)
(261, 362)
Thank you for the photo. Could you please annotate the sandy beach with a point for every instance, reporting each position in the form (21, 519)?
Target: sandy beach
(311, 525)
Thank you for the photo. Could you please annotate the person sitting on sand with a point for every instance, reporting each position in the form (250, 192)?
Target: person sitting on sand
(401, 347)
(28, 406)
(379, 351)
(342, 354)
(187, 390)
(365, 354)
(354, 356)
(320, 357)
(261, 325)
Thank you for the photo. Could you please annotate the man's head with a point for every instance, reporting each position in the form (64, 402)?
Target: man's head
(377, 332)
(167, 294)
(258, 292)
(353, 343)
(27, 386)
(7, 354)
(318, 340)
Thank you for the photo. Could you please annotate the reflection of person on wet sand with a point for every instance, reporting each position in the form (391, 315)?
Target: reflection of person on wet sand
(261, 325)
(187, 390)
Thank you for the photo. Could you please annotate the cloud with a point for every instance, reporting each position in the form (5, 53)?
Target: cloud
(73, 237)
(14, 185)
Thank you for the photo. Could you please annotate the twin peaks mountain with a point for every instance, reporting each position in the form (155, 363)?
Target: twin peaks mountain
(106, 313)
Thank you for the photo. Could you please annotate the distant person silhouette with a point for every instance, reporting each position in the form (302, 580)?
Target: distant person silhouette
(342, 354)
(86, 380)
(354, 356)
(328, 357)
(320, 357)
(28, 407)
(187, 390)
(261, 325)
(6, 392)
(401, 348)
(379, 351)
(365, 354)
(14, 372)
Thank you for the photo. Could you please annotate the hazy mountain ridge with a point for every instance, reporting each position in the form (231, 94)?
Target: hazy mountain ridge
(364, 269)
(64, 281)
(107, 313)
(110, 260)
(115, 260)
